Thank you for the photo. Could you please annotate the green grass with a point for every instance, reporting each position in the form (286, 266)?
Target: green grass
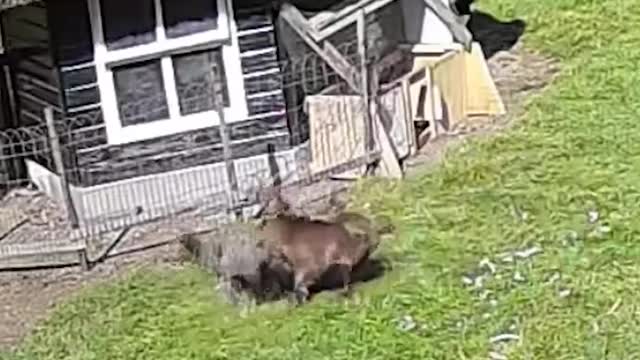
(577, 148)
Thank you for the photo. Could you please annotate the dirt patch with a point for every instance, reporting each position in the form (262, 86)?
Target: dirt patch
(29, 217)
(26, 297)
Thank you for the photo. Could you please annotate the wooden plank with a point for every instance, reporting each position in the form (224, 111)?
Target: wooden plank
(42, 254)
(364, 78)
(449, 73)
(341, 66)
(328, 52)
(389, 164)
(483, 97)
(431, 48)
(425, 136)
(335, 59)
(432, 104)
(298, 22)
(411, 129)
(336, 125)
(393, 104)
(337, 133)
(39, 248)
(329, 25)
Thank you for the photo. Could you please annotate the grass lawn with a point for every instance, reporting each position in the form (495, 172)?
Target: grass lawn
(575, 150)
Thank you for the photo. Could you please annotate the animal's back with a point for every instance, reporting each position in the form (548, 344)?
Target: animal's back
(310, 246)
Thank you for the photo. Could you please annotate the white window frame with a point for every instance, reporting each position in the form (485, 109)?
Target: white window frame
(224, 36)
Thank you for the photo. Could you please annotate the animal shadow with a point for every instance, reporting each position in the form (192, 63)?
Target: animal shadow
(492, 34)
(368, 270)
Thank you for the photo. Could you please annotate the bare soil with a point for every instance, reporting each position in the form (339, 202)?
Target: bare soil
(27, 297)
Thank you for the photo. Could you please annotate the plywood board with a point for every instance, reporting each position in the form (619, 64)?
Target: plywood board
(482, 95)
(337, 128)
(336, 125)
(393, 103)
(461, 85)
(449, 79)
(389, 165)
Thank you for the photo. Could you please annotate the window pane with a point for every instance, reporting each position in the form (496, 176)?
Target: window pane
(140, 93)
(185, 17)
(194, 80)
(128, 23)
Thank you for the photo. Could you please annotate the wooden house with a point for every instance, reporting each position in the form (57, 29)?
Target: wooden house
(137, 74)
(141, 69)
(133, 82)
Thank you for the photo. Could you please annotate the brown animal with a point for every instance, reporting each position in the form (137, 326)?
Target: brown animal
(313, 247)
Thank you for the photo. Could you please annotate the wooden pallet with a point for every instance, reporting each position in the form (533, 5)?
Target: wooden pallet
(42, 254)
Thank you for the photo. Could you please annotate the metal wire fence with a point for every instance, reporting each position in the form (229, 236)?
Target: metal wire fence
(16, 145)
(97, 191)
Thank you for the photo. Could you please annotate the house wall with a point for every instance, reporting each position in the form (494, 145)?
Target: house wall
(98, 162)
(422, 25)
(35, 77)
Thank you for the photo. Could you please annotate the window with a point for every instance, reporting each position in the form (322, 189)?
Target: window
(158, 62)
(194, 68)
(140, 93)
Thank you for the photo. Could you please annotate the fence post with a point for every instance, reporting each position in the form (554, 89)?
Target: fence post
(56, 152)
(218, 103)
(361, 29)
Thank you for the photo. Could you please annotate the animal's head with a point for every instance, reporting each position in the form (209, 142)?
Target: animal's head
(359, 226)
(273, 277)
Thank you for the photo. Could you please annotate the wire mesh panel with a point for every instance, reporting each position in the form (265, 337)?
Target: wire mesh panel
(34, 228)
(18, 145)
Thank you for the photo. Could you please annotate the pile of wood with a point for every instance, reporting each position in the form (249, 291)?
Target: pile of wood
(282, 253)
(440, 87)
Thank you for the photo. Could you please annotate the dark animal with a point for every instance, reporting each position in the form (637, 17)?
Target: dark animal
(312, 247)
(242, 269)
(461, 7)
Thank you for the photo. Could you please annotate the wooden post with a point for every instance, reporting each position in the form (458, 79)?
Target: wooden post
(218, 103)
(56, 152)
(361, 28)
(432, 102)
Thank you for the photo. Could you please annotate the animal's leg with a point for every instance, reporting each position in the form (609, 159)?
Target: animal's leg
(345, 273)
(301, 288)
(301, 293)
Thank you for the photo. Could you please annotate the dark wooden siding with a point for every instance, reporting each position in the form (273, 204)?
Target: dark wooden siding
(74, 54)
(259, 59)
(35, 78)
(98, 162)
